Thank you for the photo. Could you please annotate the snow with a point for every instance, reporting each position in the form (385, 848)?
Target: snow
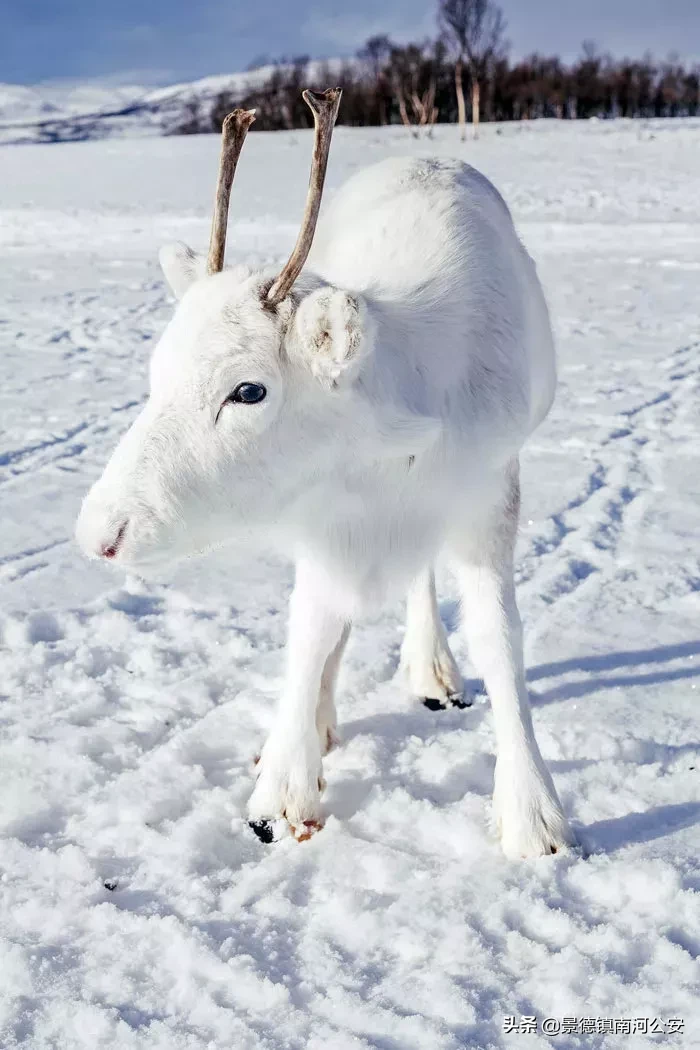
(131, 714)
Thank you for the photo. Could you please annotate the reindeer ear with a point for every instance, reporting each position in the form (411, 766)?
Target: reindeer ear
(330, 333)
(181, 267)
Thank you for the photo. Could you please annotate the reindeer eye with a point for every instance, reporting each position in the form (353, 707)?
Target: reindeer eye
(248, 394)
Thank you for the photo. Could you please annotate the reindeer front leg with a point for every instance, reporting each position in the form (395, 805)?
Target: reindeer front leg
(290, 777)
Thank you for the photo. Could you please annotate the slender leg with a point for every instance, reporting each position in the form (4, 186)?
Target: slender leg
(326, 718)
(426, 659)
(289, 773)
(528, 813)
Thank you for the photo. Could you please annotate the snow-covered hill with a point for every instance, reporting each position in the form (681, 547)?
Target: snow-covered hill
(137, 910)
(58, 99)
(60, 112)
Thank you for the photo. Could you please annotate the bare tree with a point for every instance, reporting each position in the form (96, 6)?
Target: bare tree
(475, 30)
(375, 54)
(414, 83)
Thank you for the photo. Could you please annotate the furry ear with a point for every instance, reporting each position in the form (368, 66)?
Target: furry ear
(181, 267)
(330, 333)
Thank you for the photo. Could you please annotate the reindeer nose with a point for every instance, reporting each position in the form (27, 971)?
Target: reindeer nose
(110, 549)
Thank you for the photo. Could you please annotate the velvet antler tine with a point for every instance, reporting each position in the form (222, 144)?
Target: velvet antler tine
(233, 133)
(325, 110)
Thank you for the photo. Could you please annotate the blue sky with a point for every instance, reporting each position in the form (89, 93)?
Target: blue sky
(163, 41)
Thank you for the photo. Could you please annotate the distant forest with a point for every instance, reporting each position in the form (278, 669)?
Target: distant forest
(422, 84)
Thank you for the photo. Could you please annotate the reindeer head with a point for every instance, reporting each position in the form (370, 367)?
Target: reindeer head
(244, 385)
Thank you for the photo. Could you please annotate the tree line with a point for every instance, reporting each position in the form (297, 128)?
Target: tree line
(421, 84)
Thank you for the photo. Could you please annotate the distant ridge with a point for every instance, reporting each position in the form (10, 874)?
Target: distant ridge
(56, 112)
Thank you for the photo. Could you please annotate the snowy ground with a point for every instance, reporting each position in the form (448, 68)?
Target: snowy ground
(130, 715)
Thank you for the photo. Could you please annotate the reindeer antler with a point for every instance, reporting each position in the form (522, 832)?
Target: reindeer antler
(325, 110)
(233, 133)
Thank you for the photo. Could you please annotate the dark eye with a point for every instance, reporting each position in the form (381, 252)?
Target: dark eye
(248, 394)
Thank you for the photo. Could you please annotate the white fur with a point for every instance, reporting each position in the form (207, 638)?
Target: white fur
(404, 372)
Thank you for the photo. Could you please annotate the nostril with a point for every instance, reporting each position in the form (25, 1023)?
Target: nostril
(112, 549)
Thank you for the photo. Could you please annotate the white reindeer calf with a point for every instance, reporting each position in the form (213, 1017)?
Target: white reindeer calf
(362, 418)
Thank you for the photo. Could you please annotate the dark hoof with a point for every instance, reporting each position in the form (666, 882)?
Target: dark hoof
(453, 700)
(432, 704)
(263, 829)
